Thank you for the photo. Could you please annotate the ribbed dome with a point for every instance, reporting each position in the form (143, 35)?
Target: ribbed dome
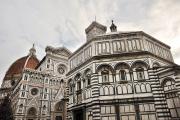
(17, 67)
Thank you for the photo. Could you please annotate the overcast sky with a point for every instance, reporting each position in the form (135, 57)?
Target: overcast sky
(62, 23)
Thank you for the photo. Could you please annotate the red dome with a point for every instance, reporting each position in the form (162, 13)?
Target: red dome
(17, 67)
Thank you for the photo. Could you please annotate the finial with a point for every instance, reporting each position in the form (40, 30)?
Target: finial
(32, 51)
(113, 27)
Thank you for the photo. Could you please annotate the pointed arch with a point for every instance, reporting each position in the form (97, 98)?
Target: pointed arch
(32, 111)
(87, 76)
(87, 71)
(77, 76)
(59, 106)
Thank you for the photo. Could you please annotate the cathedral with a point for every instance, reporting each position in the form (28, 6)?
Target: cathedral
(116, 75)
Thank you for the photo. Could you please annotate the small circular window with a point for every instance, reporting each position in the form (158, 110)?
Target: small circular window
(61, 70)
(34, 91)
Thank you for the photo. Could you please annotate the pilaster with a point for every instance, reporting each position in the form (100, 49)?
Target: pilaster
(159, 96)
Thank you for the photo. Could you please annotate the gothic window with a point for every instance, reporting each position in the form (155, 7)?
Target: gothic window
(78, 81)
(25, 77)
(48, 66)
(21, 108)
(140, 73)
(79, 85)
(70, 84)
(88, 77)
(173, 101)
(71, 88)
(105, 76)
(122, 75)
(32, 111)
(22, 94)
(122, 72)
(46, 80)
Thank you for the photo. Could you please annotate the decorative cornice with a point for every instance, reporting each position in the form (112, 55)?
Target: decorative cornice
(58, 50)
(117, 55)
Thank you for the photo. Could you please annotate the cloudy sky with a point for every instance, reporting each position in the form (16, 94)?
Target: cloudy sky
(62, 23)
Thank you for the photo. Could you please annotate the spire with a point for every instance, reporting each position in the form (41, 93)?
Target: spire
(32, 51)
(113, 27)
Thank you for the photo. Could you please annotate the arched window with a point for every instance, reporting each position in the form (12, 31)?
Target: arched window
(105, 76)
(70, 88)
(25, 77)
(88, 78)
(87, 75)
(106, 90)
(122, 75)
(111, 90)
(32, 111)
(44, 107)
(140, 73)
(119, 90)
(59, 106)
(79, 85)
(101, 91)
(172, 98)
(70, 84)
(21, 108)
(78, 81)
(44, 110)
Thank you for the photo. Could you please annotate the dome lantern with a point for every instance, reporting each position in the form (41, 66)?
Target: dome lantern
(32, 51)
